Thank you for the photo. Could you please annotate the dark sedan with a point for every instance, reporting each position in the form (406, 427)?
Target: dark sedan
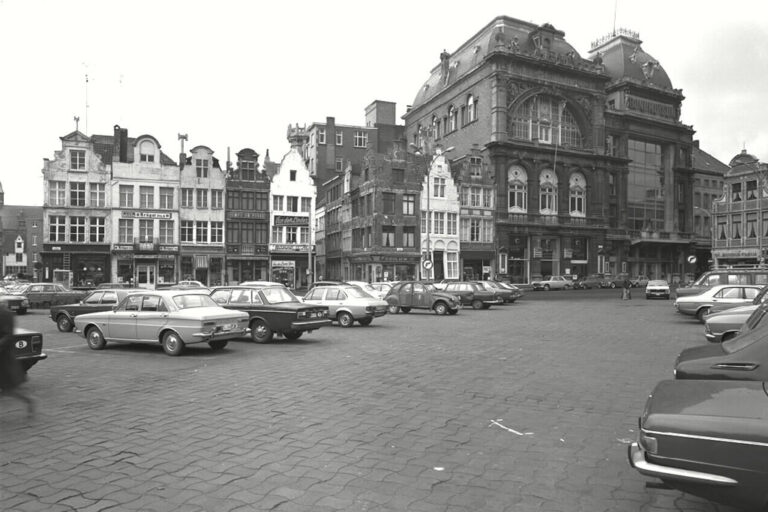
(473, 294)
(17, 303)
(28, 347)
(707, 438)
(45, 295)
(272, 310)
(97, 300)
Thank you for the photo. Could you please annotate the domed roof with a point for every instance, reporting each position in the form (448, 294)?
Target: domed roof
(502, 33)
(623, 57)
(743, 158)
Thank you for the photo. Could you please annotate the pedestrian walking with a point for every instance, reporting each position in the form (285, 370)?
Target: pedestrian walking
(626, 292)
(12, 374)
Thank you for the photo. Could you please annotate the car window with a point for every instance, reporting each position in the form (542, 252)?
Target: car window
(197, 300)
(450, 287)
(35, 289)
(93, 298)
(240, 297)
(729, 293)
(131, 303)
(109, 298)
(278, 295)
(418, 288)
(751, 293)
(221, 296)
(315, 294)
(150, 303)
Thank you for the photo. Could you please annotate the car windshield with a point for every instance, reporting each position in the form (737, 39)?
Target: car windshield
(188, 301)
(357, 293)
(278, 295)
(430, 287)
(657, 283)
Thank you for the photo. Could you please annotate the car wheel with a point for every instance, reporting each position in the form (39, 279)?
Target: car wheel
(95, 339)
(440, 308)
(345, 319)
(701, 313)
(727, 336)
(477, 304)
(405, 310)
(365, 322)
(217, 344)
(392, 309)
(292, 335)
(546, 287)
(64, 323)
(260, 332)
(172, 344)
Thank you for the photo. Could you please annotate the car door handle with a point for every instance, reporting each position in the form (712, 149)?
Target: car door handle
(744, 367)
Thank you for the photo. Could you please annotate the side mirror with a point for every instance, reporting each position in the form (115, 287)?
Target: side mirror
(114, 308)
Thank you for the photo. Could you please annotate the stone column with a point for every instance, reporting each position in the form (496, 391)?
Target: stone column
(498, 109)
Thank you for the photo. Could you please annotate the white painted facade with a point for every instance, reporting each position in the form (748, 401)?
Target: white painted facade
(440, 216)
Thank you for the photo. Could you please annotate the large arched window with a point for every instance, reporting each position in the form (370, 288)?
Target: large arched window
(548, 193)
(548, 120)
(452, 118)
(471, 109)
(517, 180)
(577, 192)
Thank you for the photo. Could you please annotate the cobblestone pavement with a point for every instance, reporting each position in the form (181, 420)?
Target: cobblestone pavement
(525, 407)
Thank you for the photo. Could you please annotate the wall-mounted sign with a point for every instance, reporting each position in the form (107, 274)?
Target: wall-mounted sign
(290, 247)
(289, 220)
(248, 215)
(146, 215)
(284, 263)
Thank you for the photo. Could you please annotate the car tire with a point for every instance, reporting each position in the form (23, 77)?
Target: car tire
(95, 339)
(345, 319)
(365, 322)
(701, 313)
(727, 336)
(477, 304)
(261, 332)
(546, 287)
(218, 344)
(405, 309)
(392, 309)
(441, 308)
(292, 335)
(172, 344)
(64, 323)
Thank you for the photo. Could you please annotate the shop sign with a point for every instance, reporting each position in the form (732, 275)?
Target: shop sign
(289, 220)
(169, 248)
(537, 252)
(122, 248)
(737, 253)
(290, 247)
(248, 215)
(146, 215)
(284, 263)
(567, 253)
(89, 248)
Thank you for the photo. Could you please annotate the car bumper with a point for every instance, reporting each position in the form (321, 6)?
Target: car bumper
(220, 335)
(638, 461)
(28, 361)
(309, 325)
(656, 293)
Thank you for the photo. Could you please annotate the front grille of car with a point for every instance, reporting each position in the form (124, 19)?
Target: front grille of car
(37, 344)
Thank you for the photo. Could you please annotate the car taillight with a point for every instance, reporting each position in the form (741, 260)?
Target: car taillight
(369, 309)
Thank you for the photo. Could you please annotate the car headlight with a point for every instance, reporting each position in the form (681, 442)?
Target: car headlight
(649, 443)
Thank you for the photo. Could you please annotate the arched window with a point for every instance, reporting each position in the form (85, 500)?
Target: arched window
(471, 109)
(147, 151)
(517, 180)
(547, 119)
(548, 193)
(577, 192)
(452, 118)
(436, 127)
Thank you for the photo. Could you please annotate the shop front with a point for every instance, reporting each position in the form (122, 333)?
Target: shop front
(89, 263)
(514, 259)
(247, 263)
(291, 264)
(478, 261)
(202, 264)
(145, 265)
(373, 268)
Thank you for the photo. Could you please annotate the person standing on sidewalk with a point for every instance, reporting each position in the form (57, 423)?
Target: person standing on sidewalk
(12, 374)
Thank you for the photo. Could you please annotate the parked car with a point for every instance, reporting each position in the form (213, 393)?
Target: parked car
(188, 283)
(370, 289)
(707, 438)
(407, 295)
(616, 281)
(722, 326)
(98, 300)
(28, 347)
(589, 282)
(261, 283)
(382, 288)
(640, 281)
(752, 275)
(171, 318)
(272, 310)
(347, 304)
(743, 357)
(112, 286)
(722, 295)
(657, 288)
(472, 294)
(17, 303)
(45, 295)
(507, 295)
(552, 283)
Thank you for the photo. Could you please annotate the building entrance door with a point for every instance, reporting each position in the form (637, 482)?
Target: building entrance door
(145, 276)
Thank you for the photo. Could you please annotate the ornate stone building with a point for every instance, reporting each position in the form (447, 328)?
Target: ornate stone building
(589, 161)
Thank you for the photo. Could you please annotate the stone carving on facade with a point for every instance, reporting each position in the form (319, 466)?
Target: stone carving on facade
(648, 69)
(515, 89)
(633, 57)
(445, 65)
(585, 102)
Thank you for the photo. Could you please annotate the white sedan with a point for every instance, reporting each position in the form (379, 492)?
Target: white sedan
(553, 283)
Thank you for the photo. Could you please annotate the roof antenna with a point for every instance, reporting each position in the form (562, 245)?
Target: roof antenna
(86, 97)
(615, 8)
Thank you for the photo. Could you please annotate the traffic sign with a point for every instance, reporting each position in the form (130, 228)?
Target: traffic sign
(427, 264)
(692, 259)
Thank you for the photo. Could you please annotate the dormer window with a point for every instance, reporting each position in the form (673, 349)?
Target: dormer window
(293, 175)
(201, 166)
(147, 151)
(77, 159)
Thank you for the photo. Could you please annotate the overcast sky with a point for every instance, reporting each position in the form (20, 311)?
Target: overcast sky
(236, 73)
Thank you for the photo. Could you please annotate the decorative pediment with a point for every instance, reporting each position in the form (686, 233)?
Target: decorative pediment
(75, 137)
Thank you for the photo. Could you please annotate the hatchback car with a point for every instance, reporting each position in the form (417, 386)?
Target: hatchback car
(170, 318)
(724, 296)
(552, 283)
(708, 438)
(589, 282)
(407, 295)
(272, 310)
(98, 300)
(472, 294)
(657, 289)
(347, 304)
